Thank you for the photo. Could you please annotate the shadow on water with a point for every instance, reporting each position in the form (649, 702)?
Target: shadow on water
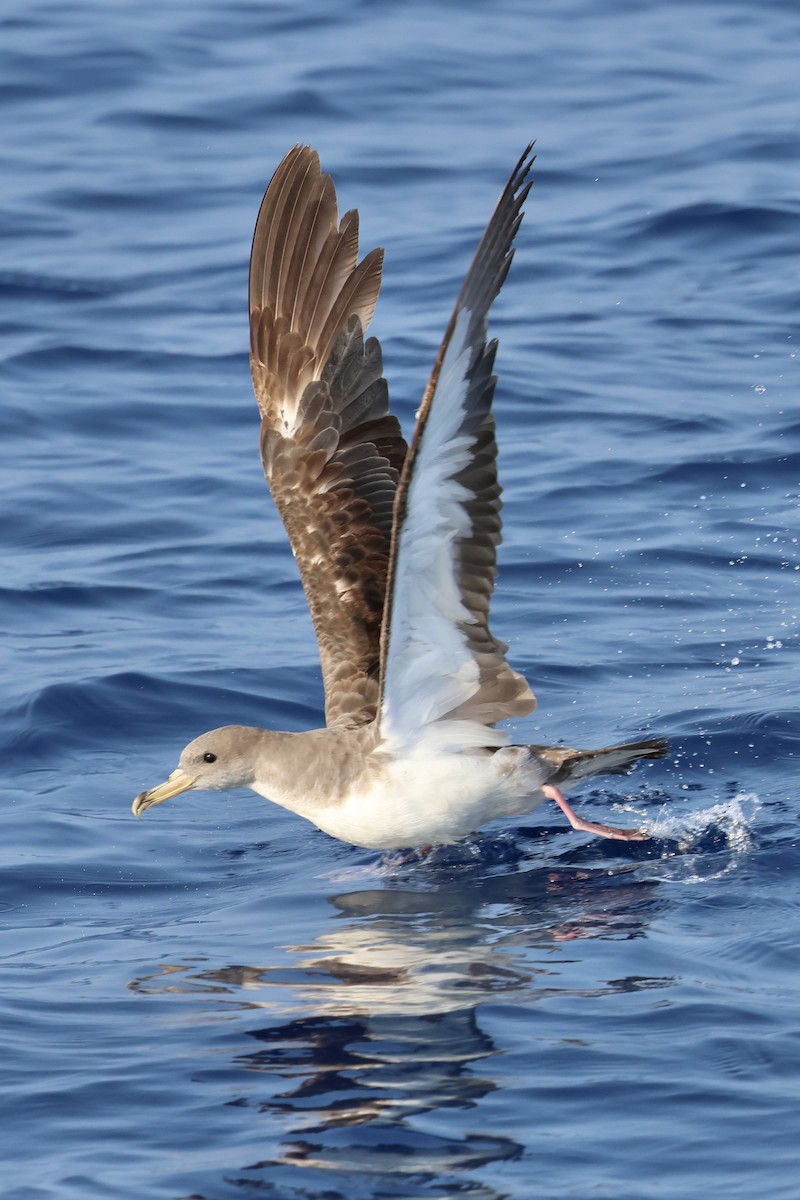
(358, 1045)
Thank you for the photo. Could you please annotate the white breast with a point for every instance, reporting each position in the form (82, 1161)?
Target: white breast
(432, 800)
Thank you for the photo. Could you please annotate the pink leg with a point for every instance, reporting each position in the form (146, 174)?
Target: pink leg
(400, 860)
(608, 831)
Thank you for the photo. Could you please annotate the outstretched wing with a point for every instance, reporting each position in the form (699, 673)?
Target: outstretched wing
(331, 451)
(439, 658)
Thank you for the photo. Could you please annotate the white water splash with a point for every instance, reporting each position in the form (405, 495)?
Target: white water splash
(710, 841)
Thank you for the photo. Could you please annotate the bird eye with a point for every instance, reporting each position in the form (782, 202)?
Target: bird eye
(209, 757)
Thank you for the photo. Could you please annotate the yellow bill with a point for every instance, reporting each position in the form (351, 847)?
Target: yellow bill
(178, 782)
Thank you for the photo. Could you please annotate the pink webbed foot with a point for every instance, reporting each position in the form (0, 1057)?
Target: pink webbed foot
(401, 859)
(607, 831)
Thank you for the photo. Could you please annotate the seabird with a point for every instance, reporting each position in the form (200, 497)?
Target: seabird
(396, 546)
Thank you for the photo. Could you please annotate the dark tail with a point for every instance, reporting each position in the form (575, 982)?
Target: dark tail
(571, 765)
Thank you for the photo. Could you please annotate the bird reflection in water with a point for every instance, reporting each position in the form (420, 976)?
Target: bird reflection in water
(384, 1024)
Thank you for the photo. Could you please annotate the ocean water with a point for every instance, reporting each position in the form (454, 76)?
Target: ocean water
(220, 1001)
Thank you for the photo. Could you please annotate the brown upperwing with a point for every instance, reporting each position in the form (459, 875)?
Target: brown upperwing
(332, 453)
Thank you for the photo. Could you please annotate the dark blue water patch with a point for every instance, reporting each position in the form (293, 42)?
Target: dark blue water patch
(18, 285)
(129, 709)
(21, 605)
(739, 470)
(183, 124)
(109, 69)
(708, 224)
(508, 866)
(307, 103)
(127, 199)
(88, 358)
(776, 730)
(240, 19)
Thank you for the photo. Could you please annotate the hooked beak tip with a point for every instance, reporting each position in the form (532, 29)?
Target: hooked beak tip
(178, 782)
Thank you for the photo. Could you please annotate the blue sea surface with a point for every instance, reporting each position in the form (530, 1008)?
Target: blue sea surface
(219, 1000)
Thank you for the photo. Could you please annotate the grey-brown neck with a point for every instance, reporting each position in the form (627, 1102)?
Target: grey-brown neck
(300, 771)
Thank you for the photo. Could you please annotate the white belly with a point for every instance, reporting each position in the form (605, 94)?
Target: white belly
(420, 801)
